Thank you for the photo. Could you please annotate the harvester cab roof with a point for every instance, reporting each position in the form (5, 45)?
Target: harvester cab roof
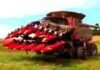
(65, 14)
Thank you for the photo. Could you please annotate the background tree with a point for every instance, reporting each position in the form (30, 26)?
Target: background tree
(96, 30)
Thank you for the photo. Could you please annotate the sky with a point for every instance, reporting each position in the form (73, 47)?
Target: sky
(15, 13)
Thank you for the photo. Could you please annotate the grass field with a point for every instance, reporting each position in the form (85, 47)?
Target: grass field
(15, 60)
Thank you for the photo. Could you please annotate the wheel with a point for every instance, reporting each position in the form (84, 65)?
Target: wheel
(71, 52)
(67, 52)
(93, 49)
(81, 52)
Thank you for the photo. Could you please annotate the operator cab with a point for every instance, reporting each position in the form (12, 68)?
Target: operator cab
(56, 20)
(70, 18)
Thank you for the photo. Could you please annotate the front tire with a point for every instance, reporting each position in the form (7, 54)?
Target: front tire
(81, 52)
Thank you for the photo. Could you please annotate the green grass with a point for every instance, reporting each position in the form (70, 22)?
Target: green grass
(19, 60)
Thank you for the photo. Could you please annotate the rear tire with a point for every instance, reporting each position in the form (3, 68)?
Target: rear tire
(93, 49)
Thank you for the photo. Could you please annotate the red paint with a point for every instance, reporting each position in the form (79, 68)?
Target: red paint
(53, 47)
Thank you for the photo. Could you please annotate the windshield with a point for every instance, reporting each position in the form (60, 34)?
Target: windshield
(56, 20)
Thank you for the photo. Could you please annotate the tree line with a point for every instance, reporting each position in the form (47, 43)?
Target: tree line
(96, 31)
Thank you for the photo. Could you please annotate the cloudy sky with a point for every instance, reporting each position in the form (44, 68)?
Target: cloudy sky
(14, 13)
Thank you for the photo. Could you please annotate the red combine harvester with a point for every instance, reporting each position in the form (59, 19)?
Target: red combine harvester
(60, 33)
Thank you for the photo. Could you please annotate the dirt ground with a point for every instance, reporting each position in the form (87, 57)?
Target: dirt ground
(1, 40)
(96, 38)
